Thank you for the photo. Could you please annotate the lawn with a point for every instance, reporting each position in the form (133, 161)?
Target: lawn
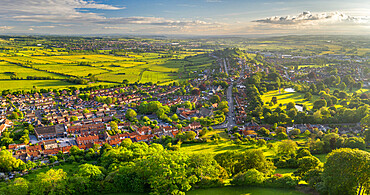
(286, 97)
(70, 169)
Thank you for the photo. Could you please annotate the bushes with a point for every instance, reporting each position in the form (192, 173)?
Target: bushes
(255, 178)
(281, 182)
(251, 177)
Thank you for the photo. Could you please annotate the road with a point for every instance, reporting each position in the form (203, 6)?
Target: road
(230, 117)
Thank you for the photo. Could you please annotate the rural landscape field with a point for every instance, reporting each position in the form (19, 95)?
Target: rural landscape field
(195, 97)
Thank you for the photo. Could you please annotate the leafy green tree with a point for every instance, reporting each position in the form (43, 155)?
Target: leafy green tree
(126, 143)
(263, 132)
(74, 118)
(308, 96)
(215, 99)
(168, 173)
(305, 164)
(355, 142)
(342, 86)
(295, 132)
(53, 159)
(367, 136)
(114, 126)
(261, 142)
(51, 182)
(366, 122)
(251, 177)
(190, 135)
(174, 117)
(286, 147)
(19, 186)
(290, 105)
(346, 171)
(131, 115)
(207, 170)
(319, 104)
(235, 162)
(90, 171)
(8, 163)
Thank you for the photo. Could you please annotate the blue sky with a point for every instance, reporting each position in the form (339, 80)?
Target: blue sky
(185, 17)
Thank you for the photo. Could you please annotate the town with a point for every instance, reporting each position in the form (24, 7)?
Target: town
(241, 98)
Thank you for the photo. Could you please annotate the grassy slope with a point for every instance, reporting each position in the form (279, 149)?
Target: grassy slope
(286, 97)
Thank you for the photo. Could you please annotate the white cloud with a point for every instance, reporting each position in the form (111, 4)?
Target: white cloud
(3, 28)
(66, 12)
(56, 11)
(311, 18)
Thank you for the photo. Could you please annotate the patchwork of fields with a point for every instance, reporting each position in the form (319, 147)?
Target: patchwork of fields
(57, 65)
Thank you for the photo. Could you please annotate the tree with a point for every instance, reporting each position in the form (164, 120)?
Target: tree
(319, 104)
(366, 122)
(90, 171)
(53, 159)
(342, 95)
(290, 105)
(261, 142)
(125, 81)
(8, 163)
(305, 164)
(274, 100)
(19, 186)
(287, 147)
(346, 171)
(342, 86)
(235, 162)
(51, 182)
(263, 132)
(251, 177)
(174, 117)
(295, 132)
(215, 99)
(74, 118)
(355, 142)
(126, 142)
(367, 137)
(114, 126)
(308, 96)
(190, 135)
(131, 115)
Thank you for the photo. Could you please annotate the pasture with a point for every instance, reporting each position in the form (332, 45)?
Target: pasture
(285, 97)
(157, 67)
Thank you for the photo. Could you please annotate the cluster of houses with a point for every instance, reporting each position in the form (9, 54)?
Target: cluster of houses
(62, 121)
(88, 135)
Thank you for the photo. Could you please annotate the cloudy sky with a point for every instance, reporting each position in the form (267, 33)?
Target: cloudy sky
(185, 17)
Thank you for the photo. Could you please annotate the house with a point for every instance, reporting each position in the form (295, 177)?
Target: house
(195, 125)
(87, 139)
(50, 144)
(50, 132)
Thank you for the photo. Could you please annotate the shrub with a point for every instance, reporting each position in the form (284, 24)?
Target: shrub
(251, 177)
(282, 182)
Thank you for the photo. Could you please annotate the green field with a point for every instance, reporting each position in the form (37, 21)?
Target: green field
(157, 67)
(41, 84)
(286, 97)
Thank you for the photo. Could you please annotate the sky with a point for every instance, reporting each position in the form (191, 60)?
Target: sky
(185, 17)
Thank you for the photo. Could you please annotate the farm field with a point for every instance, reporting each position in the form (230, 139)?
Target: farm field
(158, 67)
(41, 84)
